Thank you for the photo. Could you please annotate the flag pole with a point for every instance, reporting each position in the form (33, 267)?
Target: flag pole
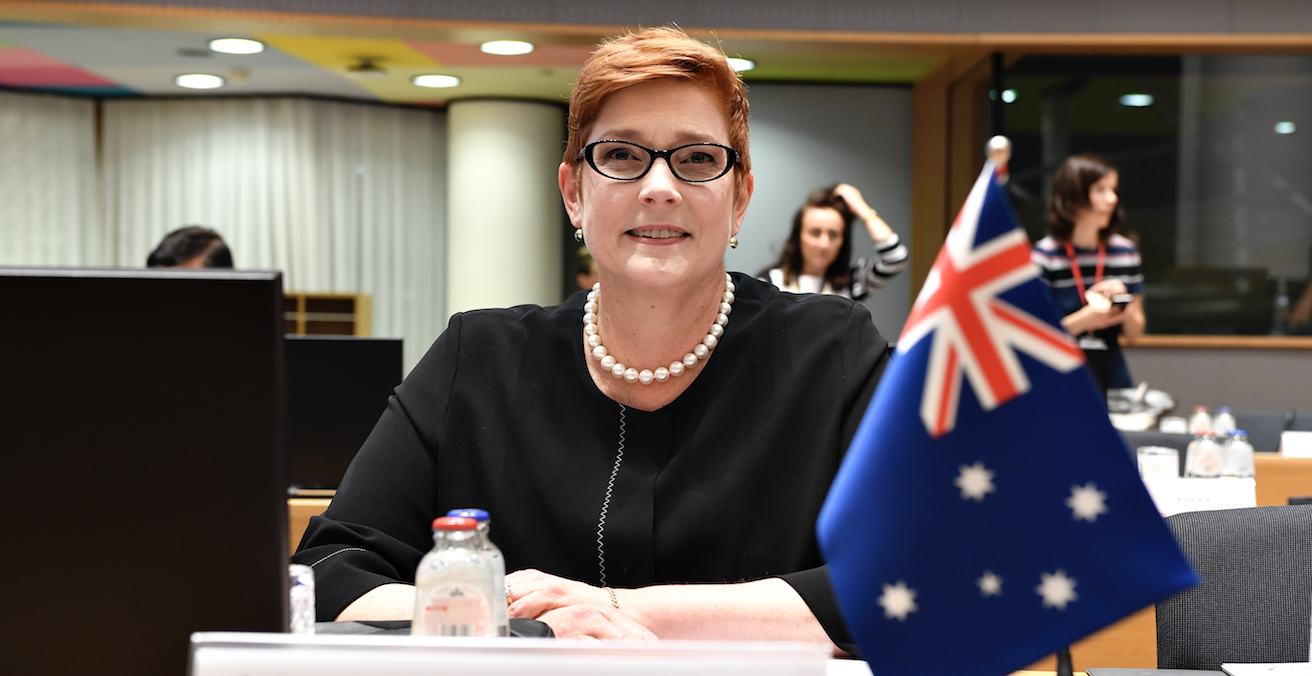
(998, 149)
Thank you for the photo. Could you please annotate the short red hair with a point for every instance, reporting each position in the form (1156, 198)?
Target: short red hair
(654, 54)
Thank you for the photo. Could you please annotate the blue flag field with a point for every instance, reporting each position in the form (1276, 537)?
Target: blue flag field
(987, 513)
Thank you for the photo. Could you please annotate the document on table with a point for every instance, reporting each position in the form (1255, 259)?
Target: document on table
(1269, 669)
(848, 668)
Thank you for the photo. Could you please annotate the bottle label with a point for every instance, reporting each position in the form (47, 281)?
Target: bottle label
(456, 610)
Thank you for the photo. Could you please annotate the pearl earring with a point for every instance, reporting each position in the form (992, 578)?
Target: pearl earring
(578, 235)
(733, 242)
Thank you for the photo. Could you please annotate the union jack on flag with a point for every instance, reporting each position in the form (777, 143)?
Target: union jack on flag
(973, 331)
(987, 513)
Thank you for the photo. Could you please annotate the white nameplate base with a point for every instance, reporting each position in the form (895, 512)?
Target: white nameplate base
(1174, 495)
(254, 654)
(1296, 444)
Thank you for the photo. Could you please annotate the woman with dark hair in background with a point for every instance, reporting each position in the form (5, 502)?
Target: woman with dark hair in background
(1104, 302)
(192, 246)
(818, 255)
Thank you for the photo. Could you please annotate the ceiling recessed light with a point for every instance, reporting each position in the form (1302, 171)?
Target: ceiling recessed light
(741, 65)
(1137, 100)
(236, 46)
(198, 81)
(1009, 96)
(1285, 127)
(436, 81)
(506, 47)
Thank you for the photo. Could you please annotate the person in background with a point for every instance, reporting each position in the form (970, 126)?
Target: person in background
(628, 443)
(818, 255)
(1092, 271)
(585, 269)
(191, 247)
(1300, 315)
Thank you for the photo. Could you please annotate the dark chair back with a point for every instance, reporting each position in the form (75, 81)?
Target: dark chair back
(1302, 421)
(1255, 600)
(1264, 426)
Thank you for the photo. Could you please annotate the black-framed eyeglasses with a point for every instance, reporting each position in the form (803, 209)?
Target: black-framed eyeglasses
(693, 163)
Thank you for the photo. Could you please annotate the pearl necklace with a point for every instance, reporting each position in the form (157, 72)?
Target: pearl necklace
(700, 351)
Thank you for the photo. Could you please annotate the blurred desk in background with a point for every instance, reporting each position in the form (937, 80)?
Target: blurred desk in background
(1280, 478)
(299, 511)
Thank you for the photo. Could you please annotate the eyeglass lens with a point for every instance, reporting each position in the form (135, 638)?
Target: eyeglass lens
(626, 161)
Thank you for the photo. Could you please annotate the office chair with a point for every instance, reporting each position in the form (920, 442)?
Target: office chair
(1255, 600)
(1264, 426)
(1302, 421)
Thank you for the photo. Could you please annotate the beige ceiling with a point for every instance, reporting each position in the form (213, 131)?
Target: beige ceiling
(137, 50)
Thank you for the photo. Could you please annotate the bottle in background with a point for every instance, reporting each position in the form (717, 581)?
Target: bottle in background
(453, 584)
(1224, 422)
(493, 553)
(1204, 458)
(1200, 422)
(1239, 456)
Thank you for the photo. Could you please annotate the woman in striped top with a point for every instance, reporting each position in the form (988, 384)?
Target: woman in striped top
(1103, 304)
(818, 255)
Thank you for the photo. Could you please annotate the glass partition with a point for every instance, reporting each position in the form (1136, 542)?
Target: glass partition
(1215, 161)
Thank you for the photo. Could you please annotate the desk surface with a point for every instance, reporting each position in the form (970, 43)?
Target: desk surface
(1130, 643)
(1280, 478)
(859, 668)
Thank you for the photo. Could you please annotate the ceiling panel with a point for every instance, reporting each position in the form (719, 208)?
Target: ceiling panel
(306, 56)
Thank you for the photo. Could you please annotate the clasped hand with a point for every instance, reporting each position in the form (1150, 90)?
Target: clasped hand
(572, 609)
(1107, 315)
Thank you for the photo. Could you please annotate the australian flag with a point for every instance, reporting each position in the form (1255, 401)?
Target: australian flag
(987, 513)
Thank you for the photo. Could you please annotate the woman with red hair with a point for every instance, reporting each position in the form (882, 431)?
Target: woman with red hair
(654, 453)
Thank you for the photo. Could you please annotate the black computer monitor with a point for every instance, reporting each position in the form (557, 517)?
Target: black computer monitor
(141, 443)
(337, 386)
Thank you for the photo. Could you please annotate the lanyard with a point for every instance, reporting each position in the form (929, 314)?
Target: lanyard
(1078, 274)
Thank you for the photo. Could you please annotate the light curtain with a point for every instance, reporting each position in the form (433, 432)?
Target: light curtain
(342, 197)
(48, 206)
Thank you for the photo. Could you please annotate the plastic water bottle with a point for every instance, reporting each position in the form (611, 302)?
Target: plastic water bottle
(453, 584)
(1224, 422)
(300, 580)
(493, 553)
(1239, 455)
(1200, 422)
(1204, 457)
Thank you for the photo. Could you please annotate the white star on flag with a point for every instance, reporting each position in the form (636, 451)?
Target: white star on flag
(898, 601)
(982, 381)
(1056, 589)
(975, 481)
(1087, 502)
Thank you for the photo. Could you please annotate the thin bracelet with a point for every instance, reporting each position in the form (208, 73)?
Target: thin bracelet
(614, 600)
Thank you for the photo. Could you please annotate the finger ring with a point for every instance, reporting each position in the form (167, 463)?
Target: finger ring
(507, 591)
